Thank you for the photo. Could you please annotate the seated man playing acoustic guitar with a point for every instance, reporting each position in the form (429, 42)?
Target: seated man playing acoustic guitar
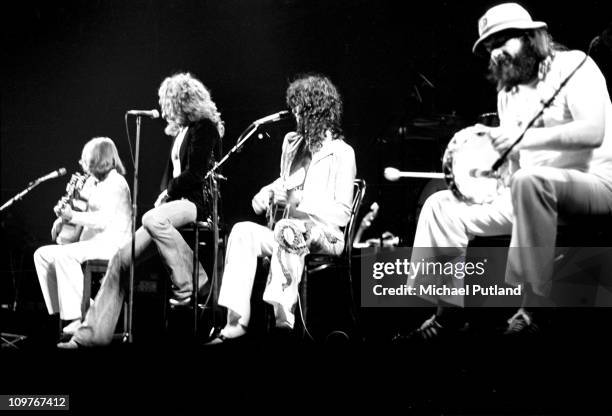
(100, 230)
(317, 175)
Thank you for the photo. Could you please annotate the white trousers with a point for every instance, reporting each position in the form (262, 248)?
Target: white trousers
(247, 242)
(529, 210)
(60, 275)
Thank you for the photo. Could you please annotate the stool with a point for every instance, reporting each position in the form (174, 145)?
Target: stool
(196, 228)
(98, 266)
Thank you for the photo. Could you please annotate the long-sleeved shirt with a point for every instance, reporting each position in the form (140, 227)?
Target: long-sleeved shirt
(108, 216)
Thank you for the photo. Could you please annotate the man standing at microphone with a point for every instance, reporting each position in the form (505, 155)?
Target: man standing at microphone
(565, 159)
(317, 172)
(196, 125)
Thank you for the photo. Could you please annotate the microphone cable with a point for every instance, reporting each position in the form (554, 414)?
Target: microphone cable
(127, 131)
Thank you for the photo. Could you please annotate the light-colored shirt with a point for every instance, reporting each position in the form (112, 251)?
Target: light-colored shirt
(327, 194)
(517, 106)
(108, 217)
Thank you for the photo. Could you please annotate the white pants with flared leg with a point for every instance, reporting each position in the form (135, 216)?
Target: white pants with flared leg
(159, 225)
(60, 275)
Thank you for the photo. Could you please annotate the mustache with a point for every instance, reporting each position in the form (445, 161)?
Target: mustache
(500, 59)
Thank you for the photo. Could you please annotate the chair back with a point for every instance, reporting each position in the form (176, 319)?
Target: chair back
(359, 190)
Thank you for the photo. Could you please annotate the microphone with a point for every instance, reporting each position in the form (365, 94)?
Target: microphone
(52, 175)
(272, 117)
(393, 174)
(146, 113)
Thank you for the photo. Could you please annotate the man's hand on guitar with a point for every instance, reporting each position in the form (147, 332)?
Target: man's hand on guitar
(261, 200)
(65, 213)
(56, 228)
(279, 194)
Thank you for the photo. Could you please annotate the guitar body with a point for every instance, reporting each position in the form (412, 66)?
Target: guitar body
(69, 232)
(278, 210)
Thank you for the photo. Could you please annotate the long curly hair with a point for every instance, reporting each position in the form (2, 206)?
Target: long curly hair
(183, 99)
(317, 105)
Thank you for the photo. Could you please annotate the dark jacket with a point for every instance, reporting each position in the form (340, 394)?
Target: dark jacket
(197, 157)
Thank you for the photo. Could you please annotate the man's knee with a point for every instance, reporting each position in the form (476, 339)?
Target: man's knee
(439, 201)
(530, 180)
(151, 220)
(47, 253)
(244, 229)
(39, 254)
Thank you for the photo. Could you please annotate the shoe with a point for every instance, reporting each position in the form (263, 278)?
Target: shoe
(217, 338)
(70, 345)
(71, 327)
(521, 323)
(431, 329)
(222, 339)
(180, 302)
(282, 333)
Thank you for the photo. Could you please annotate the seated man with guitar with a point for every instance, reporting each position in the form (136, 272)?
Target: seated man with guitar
(196, 126)
(94, 219)
(316, 181)
(559, 100)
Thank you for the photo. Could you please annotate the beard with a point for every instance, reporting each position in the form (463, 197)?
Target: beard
(509, 71)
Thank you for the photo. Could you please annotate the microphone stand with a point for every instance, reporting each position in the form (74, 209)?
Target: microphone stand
(128, 315)
(244, 136)
(10, 340)
(214, 185)
(20, 195)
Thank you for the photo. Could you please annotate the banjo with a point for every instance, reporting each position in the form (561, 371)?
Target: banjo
(466, 168)
(473, 170)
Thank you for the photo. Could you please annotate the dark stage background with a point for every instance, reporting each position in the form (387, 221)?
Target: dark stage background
(409, 80)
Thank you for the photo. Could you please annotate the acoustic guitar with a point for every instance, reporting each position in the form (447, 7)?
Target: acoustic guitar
(277, 210)
(69, 232)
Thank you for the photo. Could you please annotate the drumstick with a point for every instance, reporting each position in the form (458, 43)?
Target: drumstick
(393, 174)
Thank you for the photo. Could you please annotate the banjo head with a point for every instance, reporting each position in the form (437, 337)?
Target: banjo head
(469, 152)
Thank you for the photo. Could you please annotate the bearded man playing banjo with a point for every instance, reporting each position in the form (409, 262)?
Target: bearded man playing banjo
(564, 158)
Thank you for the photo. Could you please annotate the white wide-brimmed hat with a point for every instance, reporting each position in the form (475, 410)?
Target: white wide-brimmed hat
(502, 17)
